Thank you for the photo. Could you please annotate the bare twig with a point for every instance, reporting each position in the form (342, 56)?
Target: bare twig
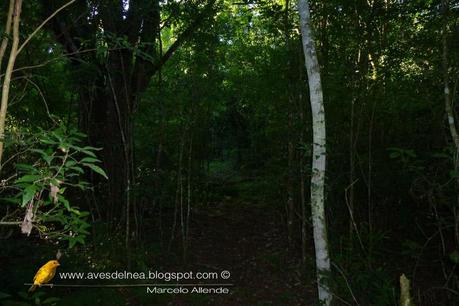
(43, 24)
(10, 223)
(347, 282)
(351, 214)
(42, 97)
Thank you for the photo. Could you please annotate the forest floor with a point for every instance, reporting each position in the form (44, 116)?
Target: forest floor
(235, 233)
(241, 231)
(247, 239)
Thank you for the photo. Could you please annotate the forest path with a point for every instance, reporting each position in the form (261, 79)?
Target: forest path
(247, 240)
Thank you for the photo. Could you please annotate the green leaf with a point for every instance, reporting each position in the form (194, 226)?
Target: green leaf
(92, 148)
(64, 201)
(75, 211)
(410, 153)
(15, 200)
(441, 155)
(97, 169)
(28, 178)
(56, 133)
(70, 163)
(48, 141)
(28, 194)
(90, 160)
(25, 167)
(4, 295)
(79, 134)
(72, 242)
(51, 300)
(55, 182)
(87, 152)
(77, 169)
(84, 214)
(42, 152)
(48, 159)
(454, 256)
(75, 240)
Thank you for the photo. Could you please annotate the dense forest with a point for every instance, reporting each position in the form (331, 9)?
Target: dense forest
(229, 152)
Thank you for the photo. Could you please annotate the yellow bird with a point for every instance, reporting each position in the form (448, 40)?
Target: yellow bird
(44, 274)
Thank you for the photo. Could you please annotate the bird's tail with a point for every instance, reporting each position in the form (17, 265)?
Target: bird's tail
(32, 288)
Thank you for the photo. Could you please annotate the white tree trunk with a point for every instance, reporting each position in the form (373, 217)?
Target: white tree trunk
(449, 102)
(318, 154)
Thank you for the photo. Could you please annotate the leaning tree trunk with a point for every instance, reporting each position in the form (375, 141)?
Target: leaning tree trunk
(318, 154)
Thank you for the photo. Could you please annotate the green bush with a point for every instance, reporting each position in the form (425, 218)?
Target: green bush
(51, 163)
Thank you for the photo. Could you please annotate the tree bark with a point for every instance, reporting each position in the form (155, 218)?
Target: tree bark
(111, 90)
(8, 73)
(290, 142)
(318, 154)
(7, 32)
(449, 109)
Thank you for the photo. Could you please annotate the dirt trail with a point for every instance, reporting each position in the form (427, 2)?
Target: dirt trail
(248, 241)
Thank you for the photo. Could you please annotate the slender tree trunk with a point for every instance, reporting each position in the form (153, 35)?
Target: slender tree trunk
(290, 145)
(302, 169)
(370, 181)
(125, 149)
(448, 105)
(351, 172)
(178, 207)
(302, 190)
(188, 206)
(7, 32)
(8, 73)
(290, 183)
(160, 147)
(318, 154)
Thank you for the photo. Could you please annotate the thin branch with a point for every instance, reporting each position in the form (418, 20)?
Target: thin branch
(184, 36)
(351, 214)
(58, 58)
(8, 215)
(347, 282)
(43, 98)
(19, 153)
(19, 96)
(43, 24)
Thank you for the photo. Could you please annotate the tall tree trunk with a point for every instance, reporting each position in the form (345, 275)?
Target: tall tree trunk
(318, 154)
(7, 32)
(302, 190)
(448, 107)
(8, 73)
(112, 89)
(178, 207)
(290, 146)
(188, 201)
